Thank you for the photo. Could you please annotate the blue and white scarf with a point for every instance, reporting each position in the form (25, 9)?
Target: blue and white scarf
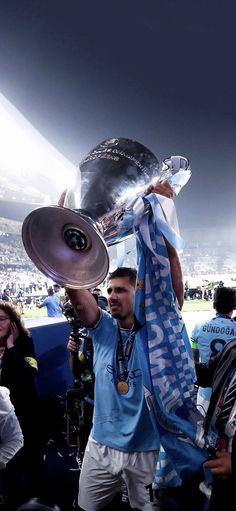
(165, 351)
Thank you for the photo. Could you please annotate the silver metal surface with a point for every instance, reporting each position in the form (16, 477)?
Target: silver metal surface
(69, 244)
(43, 237)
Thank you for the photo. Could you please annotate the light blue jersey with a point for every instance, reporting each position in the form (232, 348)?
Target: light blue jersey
(53, 306)
(120, 421)
(209, 338)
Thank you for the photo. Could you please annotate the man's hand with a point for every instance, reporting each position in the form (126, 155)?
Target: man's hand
(220, 466)
(72, 346)
(161, 188)
(175, 266)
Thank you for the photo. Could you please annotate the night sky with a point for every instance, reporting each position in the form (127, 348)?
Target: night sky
(158, 71)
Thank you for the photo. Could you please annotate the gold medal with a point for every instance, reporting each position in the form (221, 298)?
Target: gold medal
(122, 387)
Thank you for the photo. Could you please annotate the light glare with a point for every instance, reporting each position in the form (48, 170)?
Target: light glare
(29, 164)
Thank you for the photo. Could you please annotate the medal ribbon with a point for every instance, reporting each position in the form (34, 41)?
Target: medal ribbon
(123, 357)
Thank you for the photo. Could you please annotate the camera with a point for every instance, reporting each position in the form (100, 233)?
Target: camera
(80, 397)
(73, 320)
(82, 339)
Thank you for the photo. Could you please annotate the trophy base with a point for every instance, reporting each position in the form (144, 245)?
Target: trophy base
(66, 247)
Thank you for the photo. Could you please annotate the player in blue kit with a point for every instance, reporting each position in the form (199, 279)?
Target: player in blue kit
(209, 338)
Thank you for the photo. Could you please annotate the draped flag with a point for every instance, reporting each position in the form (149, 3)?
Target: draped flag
(120, 251)
(165, 351)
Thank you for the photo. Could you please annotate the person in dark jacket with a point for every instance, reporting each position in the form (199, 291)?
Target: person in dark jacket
(6, 295)
(220, 425)
(101, 300)
(18, 369)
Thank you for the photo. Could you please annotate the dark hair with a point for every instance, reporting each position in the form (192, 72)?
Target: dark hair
(224, 299)
(124, 271)
(95, 296)
(14, 316)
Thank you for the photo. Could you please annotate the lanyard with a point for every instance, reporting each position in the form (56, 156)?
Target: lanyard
(123, 356)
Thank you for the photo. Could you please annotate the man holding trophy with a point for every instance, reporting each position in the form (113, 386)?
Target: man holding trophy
(146, 429)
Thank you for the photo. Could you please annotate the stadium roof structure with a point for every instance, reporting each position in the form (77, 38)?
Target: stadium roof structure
(32, 171)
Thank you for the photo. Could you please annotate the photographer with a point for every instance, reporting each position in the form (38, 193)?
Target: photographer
(80, 396)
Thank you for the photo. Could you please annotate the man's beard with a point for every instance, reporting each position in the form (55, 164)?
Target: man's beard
(115, 315)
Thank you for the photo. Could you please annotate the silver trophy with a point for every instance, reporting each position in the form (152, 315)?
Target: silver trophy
(69, 244)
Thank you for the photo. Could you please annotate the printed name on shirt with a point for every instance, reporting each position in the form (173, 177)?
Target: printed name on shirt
(219, 329)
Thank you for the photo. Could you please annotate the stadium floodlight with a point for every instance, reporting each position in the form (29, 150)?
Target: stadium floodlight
(32, 170)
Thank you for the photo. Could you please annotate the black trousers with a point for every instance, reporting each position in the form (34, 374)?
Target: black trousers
(223, 490)
(187, 497)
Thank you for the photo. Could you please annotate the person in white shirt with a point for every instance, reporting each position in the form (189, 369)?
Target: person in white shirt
(11, 437)
(11, 441)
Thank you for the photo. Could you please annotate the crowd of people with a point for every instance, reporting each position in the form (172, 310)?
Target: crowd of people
(19, 277)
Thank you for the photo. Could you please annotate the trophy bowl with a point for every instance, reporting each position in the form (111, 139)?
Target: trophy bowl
(69, 244)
